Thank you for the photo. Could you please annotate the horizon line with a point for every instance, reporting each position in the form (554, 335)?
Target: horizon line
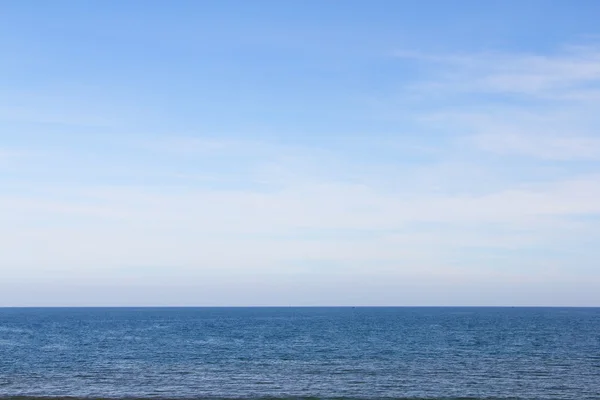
(304, 306)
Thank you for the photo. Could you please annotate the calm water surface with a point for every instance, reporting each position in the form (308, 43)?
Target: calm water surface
(361, 353)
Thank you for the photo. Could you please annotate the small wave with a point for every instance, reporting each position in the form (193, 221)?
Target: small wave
(8, 329)
(9, 343)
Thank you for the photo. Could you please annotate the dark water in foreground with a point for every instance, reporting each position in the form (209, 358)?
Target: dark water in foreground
(366, 353)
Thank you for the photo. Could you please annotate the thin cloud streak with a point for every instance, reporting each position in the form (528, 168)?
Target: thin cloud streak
(563, 75)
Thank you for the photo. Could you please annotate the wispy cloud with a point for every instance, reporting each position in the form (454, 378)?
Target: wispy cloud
(541, 146)
(516, 104)
(489, 187)
(545, 133)
(565, 75)
(196, 229)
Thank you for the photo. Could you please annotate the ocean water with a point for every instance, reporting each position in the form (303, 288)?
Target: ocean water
(357, 353)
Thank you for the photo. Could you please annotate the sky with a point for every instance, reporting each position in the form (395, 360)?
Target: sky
(253, 153)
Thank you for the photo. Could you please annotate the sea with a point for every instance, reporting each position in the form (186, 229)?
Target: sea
(300, 353)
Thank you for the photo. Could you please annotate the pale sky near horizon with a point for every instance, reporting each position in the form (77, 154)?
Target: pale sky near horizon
(299, 153)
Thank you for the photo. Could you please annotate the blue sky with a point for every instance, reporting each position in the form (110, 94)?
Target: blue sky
(299, 153)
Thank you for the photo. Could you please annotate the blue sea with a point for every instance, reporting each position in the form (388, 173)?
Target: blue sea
(281, 353)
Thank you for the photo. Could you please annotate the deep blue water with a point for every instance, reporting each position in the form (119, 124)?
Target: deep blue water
(367, 353)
